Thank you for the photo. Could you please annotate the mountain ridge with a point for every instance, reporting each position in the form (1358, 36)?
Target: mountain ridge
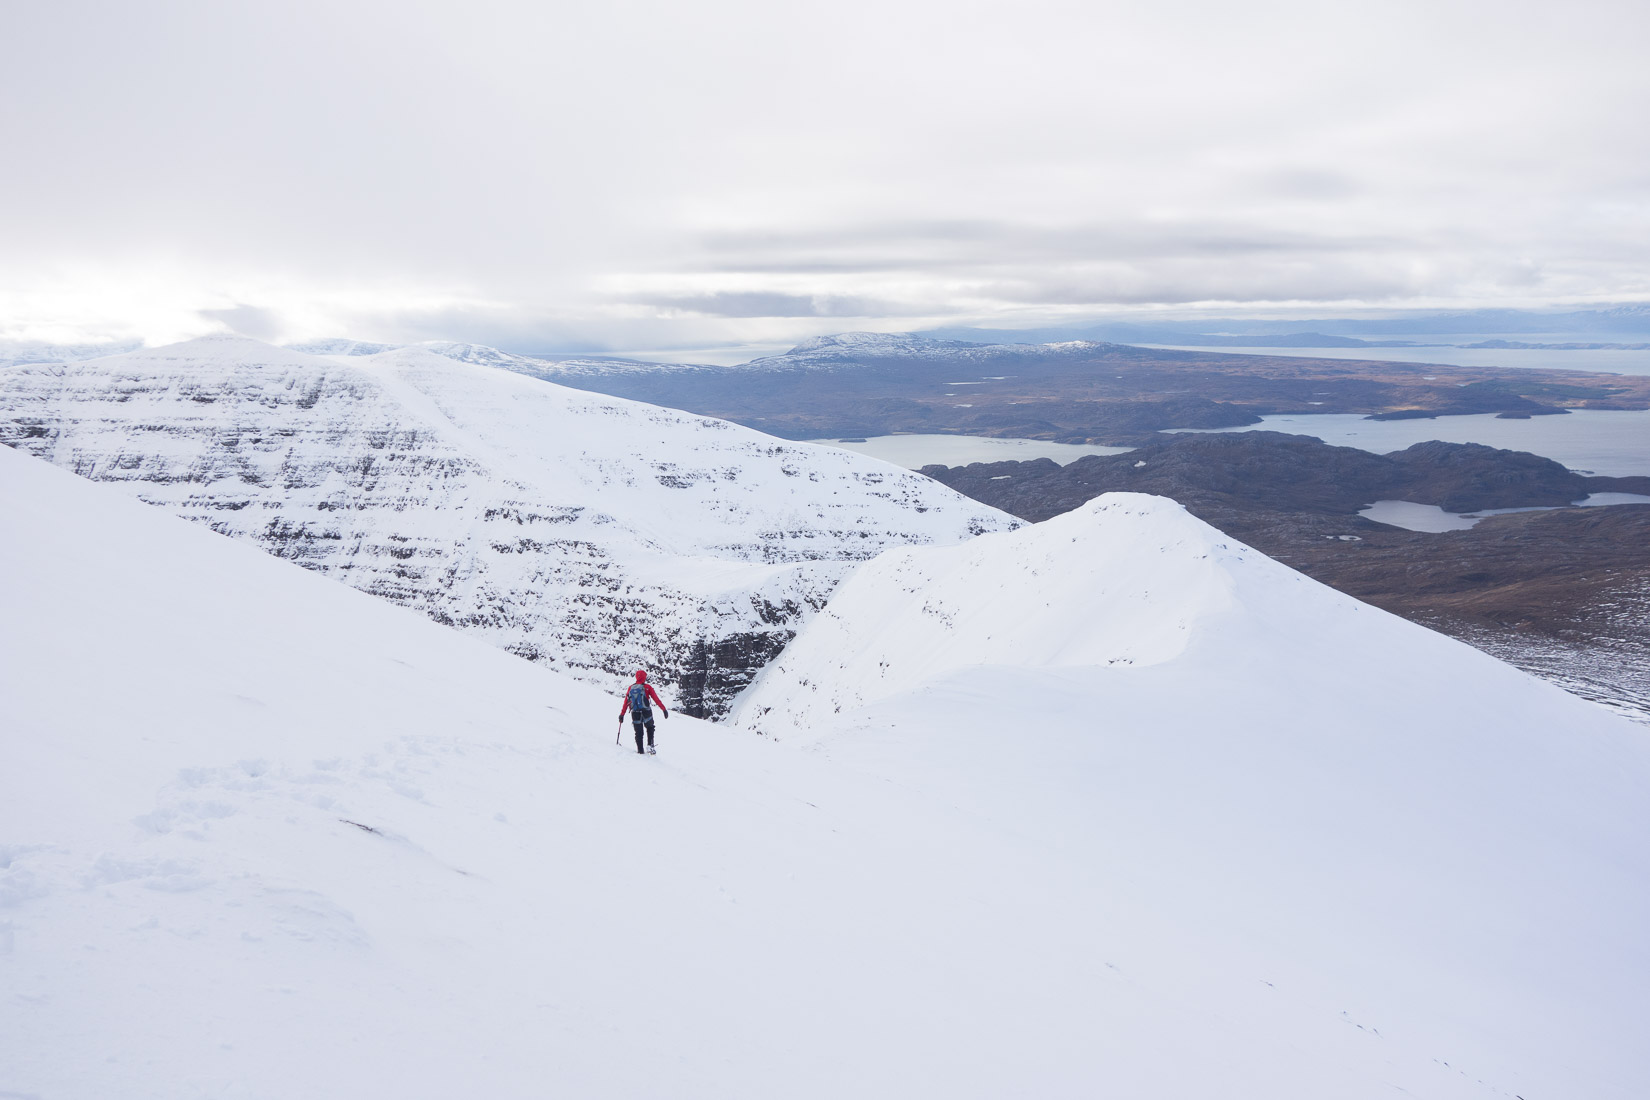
(597, 534)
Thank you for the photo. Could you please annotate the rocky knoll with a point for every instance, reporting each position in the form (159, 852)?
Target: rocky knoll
(1563, 592)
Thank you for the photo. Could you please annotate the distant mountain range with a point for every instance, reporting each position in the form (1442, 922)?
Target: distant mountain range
(861, 383)
(1615, 327)
(1621, 321)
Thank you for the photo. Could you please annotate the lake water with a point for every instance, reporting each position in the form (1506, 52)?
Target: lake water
(1614, 444)
(1433, 519)
(916, 451)
(1610, 360)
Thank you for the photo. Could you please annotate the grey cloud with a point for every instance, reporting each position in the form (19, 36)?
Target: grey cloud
(771, 304)
(947, 245)
(247, 320)
(314, 160)
(1244, 283)
(1309, 183)
(521, 330)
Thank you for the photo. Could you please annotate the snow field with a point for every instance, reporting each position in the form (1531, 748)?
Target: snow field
(1442, 847)
(200, 738)
(1227, 869)
(197, 736)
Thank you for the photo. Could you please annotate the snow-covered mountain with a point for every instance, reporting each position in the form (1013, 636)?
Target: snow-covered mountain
(593, 533)
(1447, 854)
(858, 347)
(341, 346)
(263, 836)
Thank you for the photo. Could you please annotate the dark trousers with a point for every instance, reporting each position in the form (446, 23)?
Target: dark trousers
(642, 719)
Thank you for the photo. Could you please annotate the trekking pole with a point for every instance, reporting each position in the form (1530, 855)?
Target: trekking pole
(620, 732)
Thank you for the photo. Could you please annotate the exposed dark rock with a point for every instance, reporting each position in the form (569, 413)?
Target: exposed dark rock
(713, 672)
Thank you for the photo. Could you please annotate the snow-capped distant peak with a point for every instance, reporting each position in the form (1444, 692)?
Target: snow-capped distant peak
(339, 346)
(849, 347)
(461, 351)
(874, 342)
(479, 353)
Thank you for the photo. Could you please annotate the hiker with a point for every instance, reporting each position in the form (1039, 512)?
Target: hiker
(641, 713)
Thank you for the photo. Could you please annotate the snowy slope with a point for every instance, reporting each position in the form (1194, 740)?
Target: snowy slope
(591, 532)
(199, 738)
(1449, 851)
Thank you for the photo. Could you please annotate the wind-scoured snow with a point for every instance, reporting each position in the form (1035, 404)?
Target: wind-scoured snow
(263, 836)
(1449, 852)
(594, 533)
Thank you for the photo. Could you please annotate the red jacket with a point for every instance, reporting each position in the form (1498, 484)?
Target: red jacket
(651, 694)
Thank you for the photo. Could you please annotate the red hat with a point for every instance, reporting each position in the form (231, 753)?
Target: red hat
(641, 676)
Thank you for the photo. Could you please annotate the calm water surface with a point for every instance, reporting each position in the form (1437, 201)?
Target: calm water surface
(1433, 519)
(1610, 360)
(1615, 444)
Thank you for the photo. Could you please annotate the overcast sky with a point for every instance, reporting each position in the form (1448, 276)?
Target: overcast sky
(552, 176)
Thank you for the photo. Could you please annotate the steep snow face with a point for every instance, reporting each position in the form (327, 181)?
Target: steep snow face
(1453, 853)
(594, 533)
(263, 836)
